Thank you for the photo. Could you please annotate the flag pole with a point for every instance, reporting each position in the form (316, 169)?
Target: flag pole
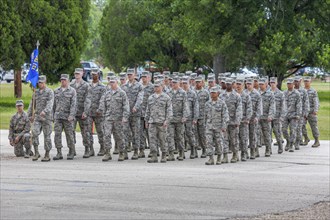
(33, 102)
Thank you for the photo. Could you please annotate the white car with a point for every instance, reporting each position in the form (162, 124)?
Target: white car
(9, 76)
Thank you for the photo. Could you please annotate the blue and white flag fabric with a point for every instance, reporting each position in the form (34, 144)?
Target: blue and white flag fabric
(33, 74)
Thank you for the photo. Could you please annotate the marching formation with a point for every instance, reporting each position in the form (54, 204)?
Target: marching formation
(176, 113)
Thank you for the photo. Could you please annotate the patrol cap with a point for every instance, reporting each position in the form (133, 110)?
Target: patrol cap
(130, 71)
(185, 79)
(122, 75)
(157, 83)
(297, 78)
(193, 76)
(112, 78)
(42, 79)
(289, 81)
(249, 81)
(79, 70)
(199, 79)
(240, 81)
(307, 78)
(145, 73)
(256, 78)
(176, 79)
(273, 79)
(175, 73)
(233, 78)
(160, 77)
(211, 78)
(214, 89)
(181, 75)
(95, 71)
(188, 73)
(167, 74)
(19, 102)
(262, 81)
(266, 77)
(110, 74)
(229, 80)
(65, 76)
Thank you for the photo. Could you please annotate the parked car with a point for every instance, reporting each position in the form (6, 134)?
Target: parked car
(88, 67)
(8, 76)
(25, 70)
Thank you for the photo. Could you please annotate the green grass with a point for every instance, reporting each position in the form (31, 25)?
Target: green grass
(7, 105)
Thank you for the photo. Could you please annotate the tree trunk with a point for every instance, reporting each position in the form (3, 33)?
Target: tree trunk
(280, 79)
(18, 83)
(218, 65)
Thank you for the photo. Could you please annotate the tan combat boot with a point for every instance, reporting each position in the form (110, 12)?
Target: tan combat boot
(203, 155)
(153, 158)
(58, 155)
(306, 140)
(234, 159)
(142, 154)
(171, 156)
(291, 147)
(243, 156)
(287, 146)
(180, 157)
(317, 143)
(192, 153)
(107, 155)
(267, 152)
(36, 154)
(116, 151)
(163, 160)
(218, 159)
(135, 154)
(252, 157)
(225, 158)
(121, 156)
(70, 155)
(101, 151)
(210, 161)
(91, 151)
(46, 157)
(256, 152)
(86, 153)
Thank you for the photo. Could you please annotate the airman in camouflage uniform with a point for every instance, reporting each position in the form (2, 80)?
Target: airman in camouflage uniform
(19, 132)
(254, 121)
(180, 114)
(95, 92)
(314, 106)
(81, 117)
(294, 109)
(234, 106)
(191, 122)
(65, 107)
(268, 114)
(148, 89)
(305, 110)
(134, 92)
(157, 117)
(246, 117)
(216, 117)
(280, 111)
(114, 107)
(41, 115)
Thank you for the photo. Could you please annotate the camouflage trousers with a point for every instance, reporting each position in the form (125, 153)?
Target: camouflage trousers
(243, 136)
(115, 128)
(232, 139)
(84, 129)
(277, 130)
(174, 135)
(99, 129)
(23, 142)
(143, 135)
(292, 124)
(265, 127)
(157, 137)
(67, 126)
(301, 122)
(200, 134)
(133, 125)
(214, 141)
(46, 127)
(253, 129)
(312, 121)
(189, 133)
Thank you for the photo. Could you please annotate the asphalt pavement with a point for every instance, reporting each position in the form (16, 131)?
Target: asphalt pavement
(92, 189)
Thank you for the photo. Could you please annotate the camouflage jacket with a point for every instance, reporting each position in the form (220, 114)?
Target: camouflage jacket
(114, 105)
(65, 103)
(256, 103)
(268, 104)
(202, 96)
(216, 115)
(148, 90)
(159, 109)
(134, 94)
(44, 101)
(82, 92)
(304, 102)
(19, 125)
(179, 105)
(280, 106)
(246, 107)
(314, 103)
(293, 103)
(234, 106)
(94, 95)
(193, 105)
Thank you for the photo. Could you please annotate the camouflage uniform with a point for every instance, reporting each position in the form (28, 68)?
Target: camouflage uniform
(82, 102)
(135, 95)
(20, 127)
(64, 107)
(303, 116)
(95, 93)
(314, 106)
(147, 91)
(268, 112)
(294, 109)
(44, 100)
(280, 110)
(114, 107)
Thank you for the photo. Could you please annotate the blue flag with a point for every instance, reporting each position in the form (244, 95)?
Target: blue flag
(33, 74)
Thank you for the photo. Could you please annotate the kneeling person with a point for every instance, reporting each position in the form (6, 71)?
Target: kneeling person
(19, 132)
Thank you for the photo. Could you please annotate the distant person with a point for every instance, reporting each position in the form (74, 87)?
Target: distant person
(19, 132)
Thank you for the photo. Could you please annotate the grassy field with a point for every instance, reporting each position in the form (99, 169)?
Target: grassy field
(7, 105)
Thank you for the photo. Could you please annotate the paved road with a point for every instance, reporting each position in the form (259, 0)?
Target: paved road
(91, 189)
